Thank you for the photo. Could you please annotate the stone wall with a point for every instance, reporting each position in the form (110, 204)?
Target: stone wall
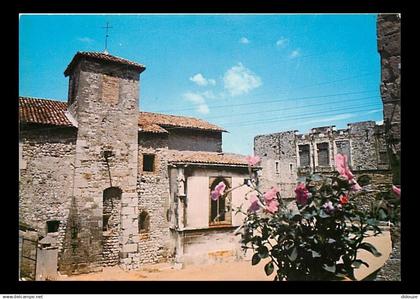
(46, 177)
(210, 246)
(281, 160)
(194, 140)
(389, 47)
(153, 198)
(278, 161)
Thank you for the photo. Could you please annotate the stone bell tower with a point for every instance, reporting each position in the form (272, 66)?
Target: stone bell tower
(103, 103)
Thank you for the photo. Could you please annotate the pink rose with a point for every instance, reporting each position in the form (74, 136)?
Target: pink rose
(272, 205)
(252, 160)
(355, 187)
(271, 194)
(218, 191)
(397, 191)
(302, 194)
(254, 204)
(342, 166)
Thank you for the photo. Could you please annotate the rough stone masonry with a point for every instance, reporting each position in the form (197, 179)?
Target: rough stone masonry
(389, 47)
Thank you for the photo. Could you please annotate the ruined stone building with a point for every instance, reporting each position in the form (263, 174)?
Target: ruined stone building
(286, 156)
(110, 185)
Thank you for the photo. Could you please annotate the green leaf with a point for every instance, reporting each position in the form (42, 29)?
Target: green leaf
(369, 247)
(255, 259)
(329, 268)
(263, 252)
(322, 214)
(269, 268)
(357, 263)
(293, 255)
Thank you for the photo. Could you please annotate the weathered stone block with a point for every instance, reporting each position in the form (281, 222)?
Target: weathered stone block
(129, 248)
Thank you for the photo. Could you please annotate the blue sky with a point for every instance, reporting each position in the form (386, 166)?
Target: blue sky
(250, 74)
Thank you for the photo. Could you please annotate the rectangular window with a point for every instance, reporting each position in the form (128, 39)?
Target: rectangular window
(383, 157)
(220, 210)
(149, 162)
(323, 154)
(105, 222)
(277, 167)
(343, 147)
(52, 226)
(304, 157)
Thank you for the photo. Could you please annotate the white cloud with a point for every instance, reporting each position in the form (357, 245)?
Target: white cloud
(244, 40)
(240, 80)
(203, 109)
(199, 100)
(379, 122)
(373, 111)
(282, 42)
(201, 81)
(328, 119)
(86, 40)
(295, 53)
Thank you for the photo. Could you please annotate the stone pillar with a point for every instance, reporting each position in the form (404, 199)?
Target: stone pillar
(181, 197)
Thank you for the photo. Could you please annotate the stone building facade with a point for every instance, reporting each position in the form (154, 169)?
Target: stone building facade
(287, 156)
(115, 186)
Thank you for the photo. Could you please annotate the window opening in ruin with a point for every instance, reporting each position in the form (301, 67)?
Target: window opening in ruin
(323, 154)
(52, 226)
(220, 210)
(105, 222)
(304, 158)
(291, 167)
(144, 222)
(148, 162)
(277, 167)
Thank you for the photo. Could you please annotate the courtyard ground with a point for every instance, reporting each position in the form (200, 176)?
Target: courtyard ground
(239, 270)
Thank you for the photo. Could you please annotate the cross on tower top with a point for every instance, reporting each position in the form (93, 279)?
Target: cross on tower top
(106, 37)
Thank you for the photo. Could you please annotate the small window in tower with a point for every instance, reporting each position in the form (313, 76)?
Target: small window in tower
(277, 167)
(52, 226)
(105, 222)
(149, 163)
(144, 222)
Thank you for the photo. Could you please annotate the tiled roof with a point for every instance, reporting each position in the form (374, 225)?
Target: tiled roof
(197, 157)
(43, 111)
(50, 112)
(173, 121)
(103, 57)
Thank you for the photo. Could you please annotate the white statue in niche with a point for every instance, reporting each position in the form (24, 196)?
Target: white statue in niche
(181, 182)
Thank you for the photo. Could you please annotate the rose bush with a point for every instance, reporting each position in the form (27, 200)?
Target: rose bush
(314, 237)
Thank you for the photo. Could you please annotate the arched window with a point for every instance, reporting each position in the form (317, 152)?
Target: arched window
(220, 210)
(144, 222)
